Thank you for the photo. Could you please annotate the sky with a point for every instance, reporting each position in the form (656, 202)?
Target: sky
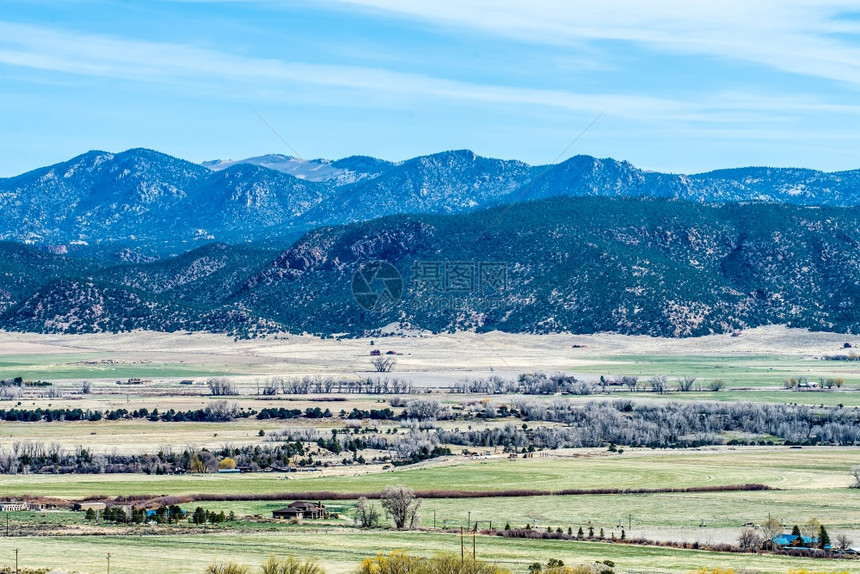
(681, 86)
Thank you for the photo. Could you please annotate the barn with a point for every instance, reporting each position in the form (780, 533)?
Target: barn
(302, 509)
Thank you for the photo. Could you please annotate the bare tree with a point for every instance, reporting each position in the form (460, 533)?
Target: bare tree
(659, 384)
(221, 386)
(270, 387)
(401, 505)
(222, 411)
(291, 565)
(749, 539)
(855, 472)
(769, 530)
(10, 393)
(630, 382)
(810, 528)
(685, 384)
(227, 568)
(86, 387)
(425, 409)
(367, 515)
(383, 364)
(844, 541)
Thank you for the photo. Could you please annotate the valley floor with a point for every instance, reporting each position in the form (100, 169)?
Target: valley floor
(806, 482)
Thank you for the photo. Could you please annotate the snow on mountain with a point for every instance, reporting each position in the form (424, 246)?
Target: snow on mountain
(317, 170)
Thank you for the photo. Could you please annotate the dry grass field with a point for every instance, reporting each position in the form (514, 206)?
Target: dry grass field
(808, 482)
(340, 550)
(432, 360)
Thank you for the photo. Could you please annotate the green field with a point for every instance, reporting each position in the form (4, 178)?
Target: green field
(72, 366)
(758, 375)
(645, 512)
(780, 467)
(340, 551)
(811, 482)
(740, 371)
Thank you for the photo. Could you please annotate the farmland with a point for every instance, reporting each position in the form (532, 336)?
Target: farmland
(806, 482)
(782, 468)
(341, 550)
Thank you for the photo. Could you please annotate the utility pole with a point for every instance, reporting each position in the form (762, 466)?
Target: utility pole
(629, 522)
(474, 536)
(108, 561)
(469, 519)
(7, 525)
(16, 561)
(434, 520)
(462, 550)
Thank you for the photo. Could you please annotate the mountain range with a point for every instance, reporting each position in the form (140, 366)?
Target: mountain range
(141, 204)
(142, 240)
(559, 264)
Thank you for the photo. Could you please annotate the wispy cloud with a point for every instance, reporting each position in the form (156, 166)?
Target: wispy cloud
(94, 55)
(806, 37)
(67, 52)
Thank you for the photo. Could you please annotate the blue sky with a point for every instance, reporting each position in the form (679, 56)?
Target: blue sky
(686, 86)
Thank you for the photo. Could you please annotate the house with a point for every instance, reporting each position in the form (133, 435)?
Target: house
(791, 540)
(134, 381)
(153, 513)
(302, 509)
(96, 506)
(8, 506)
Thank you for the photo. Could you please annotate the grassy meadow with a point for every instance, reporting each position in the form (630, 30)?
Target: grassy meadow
(779, 467)
(340, 550)
(807, 482)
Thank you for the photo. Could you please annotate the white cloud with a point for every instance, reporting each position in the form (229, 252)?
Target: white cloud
(191, 68)
(807, 37)
(92, 55)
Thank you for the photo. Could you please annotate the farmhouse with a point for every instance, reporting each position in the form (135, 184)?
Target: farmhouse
(791, 540)
(96, 506)
(16, 506)
(154, 513)
(302, 509)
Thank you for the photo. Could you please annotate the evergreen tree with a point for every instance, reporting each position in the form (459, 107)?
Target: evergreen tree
(823, 537)
(199, 516)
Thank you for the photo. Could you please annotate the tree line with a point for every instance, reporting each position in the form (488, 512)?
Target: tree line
(219, 411)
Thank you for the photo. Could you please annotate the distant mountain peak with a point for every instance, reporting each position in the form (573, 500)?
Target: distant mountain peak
(316, 170)
(142, 197)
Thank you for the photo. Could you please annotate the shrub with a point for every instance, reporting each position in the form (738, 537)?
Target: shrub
(227, 568)
(398, 562)
(291, 565)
